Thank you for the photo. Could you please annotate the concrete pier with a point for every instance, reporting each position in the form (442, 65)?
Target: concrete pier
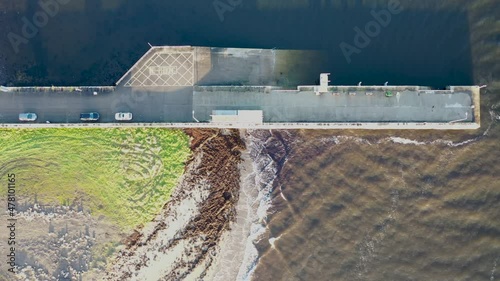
(183, 86)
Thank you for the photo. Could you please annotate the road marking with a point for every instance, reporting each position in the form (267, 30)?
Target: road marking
(165, 68)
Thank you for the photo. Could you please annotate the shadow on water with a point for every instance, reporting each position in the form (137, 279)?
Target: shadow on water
(94, 45)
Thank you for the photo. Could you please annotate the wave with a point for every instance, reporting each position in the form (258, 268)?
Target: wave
(265, 170)
(264, 173)
(405, 141)
(399, 140)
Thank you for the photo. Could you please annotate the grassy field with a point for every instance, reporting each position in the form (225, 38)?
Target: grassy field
(124, 174)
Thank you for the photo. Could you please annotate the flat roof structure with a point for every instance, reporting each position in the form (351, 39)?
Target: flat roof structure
(237, 116)
(183, 87)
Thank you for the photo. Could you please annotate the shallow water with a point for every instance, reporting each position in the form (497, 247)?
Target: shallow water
(350, 208)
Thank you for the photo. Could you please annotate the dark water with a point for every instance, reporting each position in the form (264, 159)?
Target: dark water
(89, 44)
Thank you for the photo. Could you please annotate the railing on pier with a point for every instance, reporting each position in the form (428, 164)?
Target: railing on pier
(87, 89)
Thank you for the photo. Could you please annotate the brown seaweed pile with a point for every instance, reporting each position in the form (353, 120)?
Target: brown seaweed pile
(213, 171)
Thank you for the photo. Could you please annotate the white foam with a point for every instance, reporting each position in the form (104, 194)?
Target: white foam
(492, 275)
(264, 174)
(264, 171)
(283, 195)
(406, 141)
(273, 240)
(399, 140)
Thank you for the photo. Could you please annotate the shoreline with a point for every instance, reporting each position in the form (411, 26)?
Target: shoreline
(238, 254)
(212, 226)
(231, 248)
(181, 242)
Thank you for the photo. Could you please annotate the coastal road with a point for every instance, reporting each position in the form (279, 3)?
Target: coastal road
(165, 104)
(176, 105)
(158, 88)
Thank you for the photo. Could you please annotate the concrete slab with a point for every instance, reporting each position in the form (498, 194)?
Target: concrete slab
(231, 66)
(306, 106)
(162, 67)
(166, 104)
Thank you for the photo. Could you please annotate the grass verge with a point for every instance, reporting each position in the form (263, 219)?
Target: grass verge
(125, 174)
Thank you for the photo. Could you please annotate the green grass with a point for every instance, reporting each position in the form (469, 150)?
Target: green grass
(125, 174)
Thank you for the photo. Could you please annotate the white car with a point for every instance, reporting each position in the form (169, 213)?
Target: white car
(27, 117)
(123, 116)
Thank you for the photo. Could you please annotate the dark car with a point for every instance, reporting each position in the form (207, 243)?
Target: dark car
(89, 116)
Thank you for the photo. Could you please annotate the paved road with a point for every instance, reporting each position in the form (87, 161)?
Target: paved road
(158, 88)
(176, 104)
(165, 104)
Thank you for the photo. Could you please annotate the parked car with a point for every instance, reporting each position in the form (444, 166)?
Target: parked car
(123, 116)
(89, 116)
(27, 117)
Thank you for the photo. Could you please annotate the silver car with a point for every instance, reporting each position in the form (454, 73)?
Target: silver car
(123, 116)
(27, 117)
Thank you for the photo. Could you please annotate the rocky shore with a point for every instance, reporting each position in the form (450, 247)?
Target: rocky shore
(181, 243)
(238, 256)
(216, 220)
